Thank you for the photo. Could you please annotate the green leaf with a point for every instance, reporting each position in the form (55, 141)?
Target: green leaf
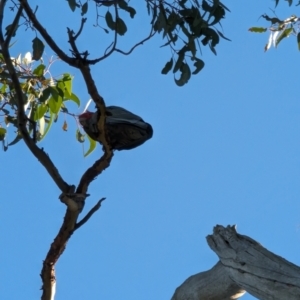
(218, 13)
(2, 133)
(123, 5)
(206, 6)
(92, 146)
(49, 124)
(72, 4)
(185, 75)
(65, 84)
(38, 48)
(79, 136)
(283, 35)
(298, 40)
(289, 1)
(73, 98)
(178, 62)
(192, 47)
(17, 139)
(40, 111)
(46, 94)
(168, 66)
(213, 50)
(84, 8)
(223, 36)
(121, 26)
(12, 120)
(258, 29)
(39, 70)
(109, 21)
(56, 100)
(160, 22)
(199, 64)
(9, 28)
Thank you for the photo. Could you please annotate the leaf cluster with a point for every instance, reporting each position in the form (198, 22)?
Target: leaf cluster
(279, 30)
(44, 97)
(187, 26)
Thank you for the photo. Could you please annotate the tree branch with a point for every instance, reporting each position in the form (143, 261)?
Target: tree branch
(94, 61)
(89, 214)
(151, 34)
(75, 207)
(113, 46)
(83, 20)
(260, 272)
(22, 119)
(214, 284)
(244, 265)
(61, 54)
(105, 160)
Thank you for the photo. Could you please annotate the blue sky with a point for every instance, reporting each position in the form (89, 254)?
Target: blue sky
(225, 151)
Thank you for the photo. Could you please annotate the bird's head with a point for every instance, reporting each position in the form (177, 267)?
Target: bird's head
(85, 117)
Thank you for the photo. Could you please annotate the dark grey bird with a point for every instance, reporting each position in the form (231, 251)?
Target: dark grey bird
(125, 129)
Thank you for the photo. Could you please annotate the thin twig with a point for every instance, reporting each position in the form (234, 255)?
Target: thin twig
(151, 34)
(83, 20)
(13, 27)
(89, 214)
(113, 45)
(62, 55)
(94, 61)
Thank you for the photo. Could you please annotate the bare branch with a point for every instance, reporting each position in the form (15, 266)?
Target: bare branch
(83, 20)
(212, 284)
(94, 61)
(244, 265)
(113, 45)
(151, 34)
(89, 214)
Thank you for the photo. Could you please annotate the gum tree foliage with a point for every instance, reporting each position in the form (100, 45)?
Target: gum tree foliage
(31, 100)
(279, 29)
(185, 26)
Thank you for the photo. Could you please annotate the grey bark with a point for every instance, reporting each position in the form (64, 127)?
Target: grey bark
(244, 265)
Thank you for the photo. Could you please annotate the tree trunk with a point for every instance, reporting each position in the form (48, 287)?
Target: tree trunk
(244, 266)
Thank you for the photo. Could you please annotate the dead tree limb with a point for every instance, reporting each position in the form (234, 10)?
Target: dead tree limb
(245, 265)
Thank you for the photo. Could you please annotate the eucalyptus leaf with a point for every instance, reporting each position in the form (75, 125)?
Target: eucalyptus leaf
(38, 48)
(121, 27)
(73, 98)
(2, 133)
(72, 4)
(84, 8)
(109, 20)
(39, 70)
(283, 35)
(92, 146)
(168, 66)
